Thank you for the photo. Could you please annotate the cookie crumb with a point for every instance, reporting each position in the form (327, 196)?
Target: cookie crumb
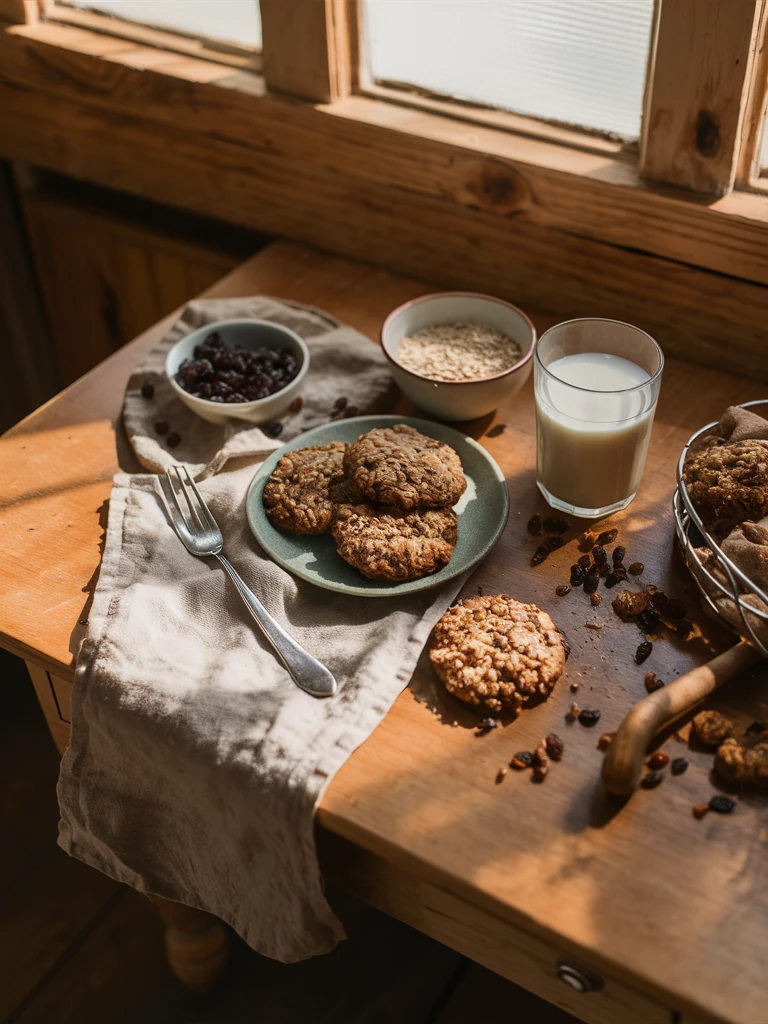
(712, 728)
(699, 810)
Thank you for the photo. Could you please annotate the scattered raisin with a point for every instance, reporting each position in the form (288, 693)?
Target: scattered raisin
(605, 741)
(484, 727)
(554, 525)
(577, 575)
(173, 440)
(648, 620)
(585, 562)
(599, 554)
(591, 580)
(636, 568)
(588, 540)
(684, 629)
(608, 536)
(756, 728)
(652, 780)
(540, 773)
(522, 759)
(675, 609)
(272, 429)
(350, 412)
(555, 746)
(595, 599)
(699, 810)
(658, 760)
(562, 590)
(615, 577)
(296, 405)
(340, 404)
(658, 600)
(618, 554)
(643, 651)
(500, 775)
(497, 430)
(722, 804)
(545, 549)
(161, 427)
(654, 684)
(534, 525)
(147, 389)
(679, 765)
(589, 716)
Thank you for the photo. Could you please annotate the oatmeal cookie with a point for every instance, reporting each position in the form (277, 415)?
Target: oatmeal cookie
(744, 766)
(728, 483)
(712, 728)
(399, 467)
(497, 652)
(296, 496)
(346, 492)
(396, 546)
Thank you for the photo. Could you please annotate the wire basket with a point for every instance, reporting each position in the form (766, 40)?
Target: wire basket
(735, 592)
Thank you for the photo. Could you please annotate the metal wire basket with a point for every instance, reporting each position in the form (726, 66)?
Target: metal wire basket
(735, 592)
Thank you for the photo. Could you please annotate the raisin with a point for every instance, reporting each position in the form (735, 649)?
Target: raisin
(722, 804)
(500, 775)
(534, 525)
(577, 575)
(497, 430)
(684, 629)
(659, 601)
(340, 404)
(679, 766)
(591, 580)
(612, 579)
(599, 554)
(562, 590)
(652, 780)
(147, 389)
(636, 568)
(555, 746)
(272, 429)
(675, 609)
(161, 428)
(653, 684)
(699, 810)
(648, 620)
(350, 412)
(485, 726)
(173, 440)
(522, 759)
(618, 554)
(756, 728)
(595, 599)
(605, 741)
(585, 562)
(658, 760)
(296, 405)
(589, 716)
(554, 525)
(643, 651)
(608, 536)
(545, 549)
(540, 773)
(620, 572)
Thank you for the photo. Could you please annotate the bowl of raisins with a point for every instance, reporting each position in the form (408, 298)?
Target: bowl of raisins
(246, 369)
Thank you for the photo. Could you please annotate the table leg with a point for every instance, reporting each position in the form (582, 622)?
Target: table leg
(197, 944)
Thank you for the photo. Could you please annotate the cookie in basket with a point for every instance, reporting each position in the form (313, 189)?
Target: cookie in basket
(728, 483)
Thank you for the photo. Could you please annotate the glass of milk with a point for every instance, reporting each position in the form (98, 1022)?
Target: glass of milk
(596, 384)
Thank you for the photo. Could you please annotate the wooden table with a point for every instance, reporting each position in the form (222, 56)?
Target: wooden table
(667, 914)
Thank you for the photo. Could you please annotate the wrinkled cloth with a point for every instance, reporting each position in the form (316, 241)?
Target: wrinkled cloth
(195, 763)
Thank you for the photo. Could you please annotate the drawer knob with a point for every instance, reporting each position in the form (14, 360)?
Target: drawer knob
(581, 979)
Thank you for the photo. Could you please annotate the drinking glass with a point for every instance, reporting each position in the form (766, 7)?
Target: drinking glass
(596, 383)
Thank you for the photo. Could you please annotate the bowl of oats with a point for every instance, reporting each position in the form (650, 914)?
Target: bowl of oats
(458, 355)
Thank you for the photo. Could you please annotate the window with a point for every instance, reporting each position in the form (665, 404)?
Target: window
(236, 22)
(762, 162)
(579, 63)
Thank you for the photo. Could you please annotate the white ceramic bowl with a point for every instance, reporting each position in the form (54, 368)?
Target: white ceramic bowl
(251, 334)
(460, 400)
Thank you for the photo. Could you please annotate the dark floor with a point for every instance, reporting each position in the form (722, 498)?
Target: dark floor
(77, 948)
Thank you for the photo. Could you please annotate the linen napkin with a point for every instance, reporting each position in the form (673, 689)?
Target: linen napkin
(195, 764)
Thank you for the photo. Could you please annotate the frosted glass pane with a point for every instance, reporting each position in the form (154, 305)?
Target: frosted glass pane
(229, 21)
(579, 62)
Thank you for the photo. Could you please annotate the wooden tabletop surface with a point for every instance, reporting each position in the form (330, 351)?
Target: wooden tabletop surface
(676, 906)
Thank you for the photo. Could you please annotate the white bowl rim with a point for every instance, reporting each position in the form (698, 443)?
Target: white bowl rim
(256, 402)
(468, 295)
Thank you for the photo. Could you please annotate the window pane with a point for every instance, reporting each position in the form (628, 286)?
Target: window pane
(229, 21)
(579, 62)
(763, 161)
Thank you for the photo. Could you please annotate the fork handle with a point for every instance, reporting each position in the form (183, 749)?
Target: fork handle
(306, 671)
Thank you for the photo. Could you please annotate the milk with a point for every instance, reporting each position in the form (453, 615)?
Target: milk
(591, 443)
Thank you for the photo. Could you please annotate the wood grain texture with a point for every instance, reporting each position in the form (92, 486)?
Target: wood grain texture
(306, 50)
(557, 866)
(20, 12)
(699, 78)
(748, 169)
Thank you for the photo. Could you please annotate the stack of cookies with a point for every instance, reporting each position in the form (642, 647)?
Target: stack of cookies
(386, 498)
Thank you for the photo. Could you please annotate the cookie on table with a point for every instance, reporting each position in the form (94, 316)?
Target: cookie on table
(728, 483)
(297, 494)
(397, 546)
(497, 653)
(401, 468)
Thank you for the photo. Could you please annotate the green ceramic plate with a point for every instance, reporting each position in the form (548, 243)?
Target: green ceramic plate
(482, 511)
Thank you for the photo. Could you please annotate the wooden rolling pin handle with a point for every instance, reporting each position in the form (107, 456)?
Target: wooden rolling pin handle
(623, 764)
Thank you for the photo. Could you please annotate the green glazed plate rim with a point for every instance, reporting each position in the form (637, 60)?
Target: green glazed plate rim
(285, 549)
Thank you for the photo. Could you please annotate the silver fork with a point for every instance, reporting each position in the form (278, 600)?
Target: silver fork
(199, 532)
